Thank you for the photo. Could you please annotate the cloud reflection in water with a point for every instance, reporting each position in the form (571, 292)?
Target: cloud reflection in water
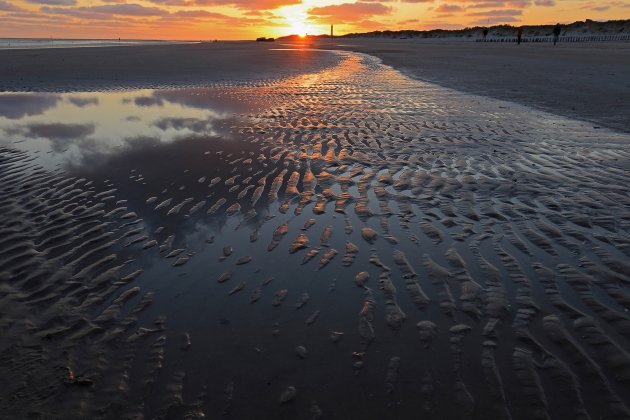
(67, 129)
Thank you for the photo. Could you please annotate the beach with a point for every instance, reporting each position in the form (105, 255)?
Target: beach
(106, 68)
(588, 81)
(246, 230)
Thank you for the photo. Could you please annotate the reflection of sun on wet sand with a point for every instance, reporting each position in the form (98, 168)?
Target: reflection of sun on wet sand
(227, 250)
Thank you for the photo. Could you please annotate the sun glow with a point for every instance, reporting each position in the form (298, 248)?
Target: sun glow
(297, 21)
(299, 28)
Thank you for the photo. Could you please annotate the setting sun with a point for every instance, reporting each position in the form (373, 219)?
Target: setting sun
(297, 22)
(299, 28)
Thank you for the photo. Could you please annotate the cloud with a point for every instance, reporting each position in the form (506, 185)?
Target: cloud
(107, 10)
(8, 7)
(191, 99)
(497, 13)
(163, 2)
(481, 4)
(83, 102)
(19, 105)
(126, 13)
(348, 12)
(486, 5)
(59, 130)
(126, 10)
(239, 4)
(60, 135)
(54, 2)
(520, 4)
(448, 8)
(196, 125)
(496, 21)
(147, 101)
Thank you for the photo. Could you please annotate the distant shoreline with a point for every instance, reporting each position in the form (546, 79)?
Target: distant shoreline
(46, 43)
(587, 29)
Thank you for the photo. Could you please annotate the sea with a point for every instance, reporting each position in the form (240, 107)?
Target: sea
(37, 43)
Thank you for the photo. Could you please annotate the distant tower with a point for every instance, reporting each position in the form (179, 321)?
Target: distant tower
(332, 34)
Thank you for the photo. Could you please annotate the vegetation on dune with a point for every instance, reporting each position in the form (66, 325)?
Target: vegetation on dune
(588, 27)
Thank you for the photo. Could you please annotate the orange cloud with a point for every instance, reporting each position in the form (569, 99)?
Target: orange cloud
(348, 12)
(8, 7)
(246, 4)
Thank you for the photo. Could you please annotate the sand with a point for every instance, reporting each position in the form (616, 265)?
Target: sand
(105, 68)
(345, 243)
(588, 81)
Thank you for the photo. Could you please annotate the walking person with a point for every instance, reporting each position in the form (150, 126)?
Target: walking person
(519, 35)
(485, 34)
(556, 33)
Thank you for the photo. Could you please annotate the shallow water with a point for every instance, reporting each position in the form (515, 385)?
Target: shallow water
(153, 264)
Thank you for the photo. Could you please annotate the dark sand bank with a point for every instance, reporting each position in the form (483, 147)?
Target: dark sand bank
(585, 81)
(151, 66)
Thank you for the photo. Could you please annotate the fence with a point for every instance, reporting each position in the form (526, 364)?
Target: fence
(570, 38)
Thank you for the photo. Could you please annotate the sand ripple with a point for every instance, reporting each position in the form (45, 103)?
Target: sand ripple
(490, 248)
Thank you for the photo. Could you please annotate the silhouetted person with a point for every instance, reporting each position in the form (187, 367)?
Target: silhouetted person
(519, 35)
(556, 33)
(485, 33)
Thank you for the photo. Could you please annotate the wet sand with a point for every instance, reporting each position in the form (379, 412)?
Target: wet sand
(589, 81)
(109, 68)
(586, 81)
(342, 243)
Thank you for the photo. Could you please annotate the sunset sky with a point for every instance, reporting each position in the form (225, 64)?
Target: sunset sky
(246, 19)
